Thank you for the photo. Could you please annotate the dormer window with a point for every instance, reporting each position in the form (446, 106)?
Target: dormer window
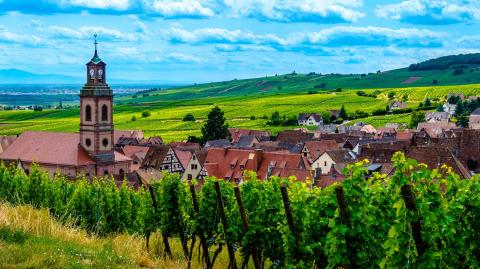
(232, 166)
(242, 167)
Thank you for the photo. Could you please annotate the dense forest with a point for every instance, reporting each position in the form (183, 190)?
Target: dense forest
(446, 62)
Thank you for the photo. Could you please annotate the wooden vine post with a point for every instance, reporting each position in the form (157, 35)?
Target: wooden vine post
(241, 208)
(409, 199)
(181, 228)
(342, 206)
(231, 253)
(168, 251)
(203, 240)
(291, 224)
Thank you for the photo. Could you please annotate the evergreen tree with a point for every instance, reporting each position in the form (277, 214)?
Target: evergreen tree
(343, 113)
(428, 103)
(215, 127)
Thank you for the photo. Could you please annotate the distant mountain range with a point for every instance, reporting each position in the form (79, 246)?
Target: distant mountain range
(446, 70)
(17, 76)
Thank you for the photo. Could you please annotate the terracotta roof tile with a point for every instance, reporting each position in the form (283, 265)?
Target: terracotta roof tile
(48, 148)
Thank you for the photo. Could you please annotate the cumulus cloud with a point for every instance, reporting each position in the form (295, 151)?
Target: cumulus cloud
(327, 11)
(373, 36)
(9, 37)
(340, 36)
(315, 11)
(97, 4)
(177, 9)
(431, 12)
(86, 32)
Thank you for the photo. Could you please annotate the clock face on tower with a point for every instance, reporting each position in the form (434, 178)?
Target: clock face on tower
(100, 73)
(92, 73)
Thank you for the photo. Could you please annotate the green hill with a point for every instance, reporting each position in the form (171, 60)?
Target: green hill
(247, 102)
(444, 71)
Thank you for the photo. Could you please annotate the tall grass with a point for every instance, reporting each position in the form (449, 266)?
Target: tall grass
(31, 238)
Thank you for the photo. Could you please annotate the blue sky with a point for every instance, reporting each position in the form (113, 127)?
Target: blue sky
(208, 40)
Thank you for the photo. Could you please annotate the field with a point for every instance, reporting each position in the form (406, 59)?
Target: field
(247, 102)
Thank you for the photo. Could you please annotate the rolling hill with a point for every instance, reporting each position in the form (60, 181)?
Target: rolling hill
(248, 102)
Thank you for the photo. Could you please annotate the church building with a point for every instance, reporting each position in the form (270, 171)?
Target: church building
(89, 152)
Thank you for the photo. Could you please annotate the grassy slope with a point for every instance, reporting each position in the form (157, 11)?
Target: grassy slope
(30, 238)
(241, 99)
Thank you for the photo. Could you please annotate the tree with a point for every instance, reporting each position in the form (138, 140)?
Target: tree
(134, 118)
(343, 113)
(275, 119)
(434, 82)
(391, 95)
(215, 127)
(463, 120)
(460, 109)
(146, 114)
(428, 103)
(417, 117)
(189, 117)
(440, 108)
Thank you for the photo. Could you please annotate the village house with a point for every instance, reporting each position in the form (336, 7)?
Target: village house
(312, 119)
(397, 104)
(338, 159)
(474, 120)
(313, 149)
(236, 133)
(90, 152)
(172, 158)
(230, 164)
(195, 168)
(450, 108)
(437, 117)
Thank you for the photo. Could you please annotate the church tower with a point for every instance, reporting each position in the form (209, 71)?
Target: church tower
(96, 113)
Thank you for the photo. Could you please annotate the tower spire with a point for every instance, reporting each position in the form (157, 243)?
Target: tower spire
(95, 43)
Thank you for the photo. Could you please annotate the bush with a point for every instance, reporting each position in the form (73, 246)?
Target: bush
(379, 112)
(189, 117)
(146, 114)
(253, 118)
(134, 118)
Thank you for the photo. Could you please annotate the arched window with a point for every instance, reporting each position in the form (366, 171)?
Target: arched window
(105, 142)
(88, 113)
(122, 173)
(104, 113)
(88, 142)
(105, 172)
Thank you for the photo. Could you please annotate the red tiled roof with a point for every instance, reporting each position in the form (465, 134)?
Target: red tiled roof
(117, 134)
(48, 148)
(236, 133)
(183, 156)
(317, 148)
(231, 163)
(130, 150)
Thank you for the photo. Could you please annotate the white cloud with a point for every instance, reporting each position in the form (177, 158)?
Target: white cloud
(431, 11)
(186, 8)
(85, 32)
(7, 36)
(340, 36)
(327, 11)
(100, 4)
